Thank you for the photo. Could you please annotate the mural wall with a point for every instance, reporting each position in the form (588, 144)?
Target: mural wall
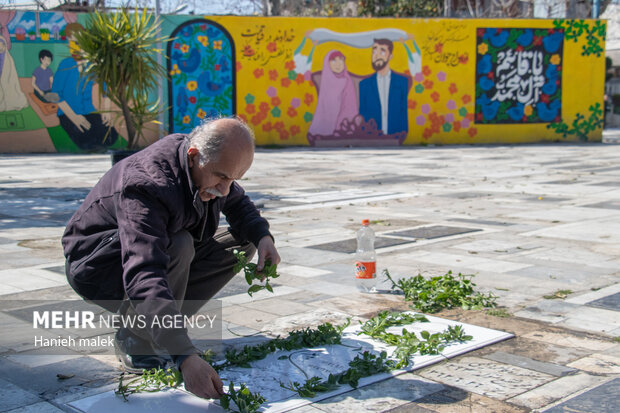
(319, 82)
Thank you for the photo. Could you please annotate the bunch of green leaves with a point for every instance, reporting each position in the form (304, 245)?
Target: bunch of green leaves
(324, 334)
(251, 273)
(446, 291)
(150, 381)
(386, 319)
(364, 365)
(244, 399)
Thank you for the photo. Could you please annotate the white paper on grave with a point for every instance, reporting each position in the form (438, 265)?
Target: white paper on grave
(266, 375)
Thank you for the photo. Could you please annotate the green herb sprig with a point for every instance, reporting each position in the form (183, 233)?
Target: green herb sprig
(151, 381)
(244, 399)
(446, 291)
(251, 274)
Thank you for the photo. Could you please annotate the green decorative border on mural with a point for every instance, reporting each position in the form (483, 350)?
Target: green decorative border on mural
(594, 34)
(581, 126)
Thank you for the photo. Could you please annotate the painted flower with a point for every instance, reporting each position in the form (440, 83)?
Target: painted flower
(285, 81)
(295, 102)
(466, 99)
(279, 125)
(273, 74)
(544, 98)
(272, 47)
(438, 47)
(291, 112)
(411, 104)
(247, 50)
(258, 72)
(457, 125)
(447, 127)
(283, 134)
(249, 98)
(295, 130)
(275, 101)
(479, 117)
(185, 48)
(267, 126)
(435, 96)
(217, 44)
(483, 48)
(426, 71)
(239, 66)
(441, 76)
(177, 46)
(538, 40)
(175, 70)
(308, 117)
(464, 58)
(201, 114)
(427, 133)
(419, 77)
(271, 92)
(472, 132)
(186, 119)
(555, 59)
(426, 108)
(308, 99)
(217, 67)
(256, 120)
(192, 85)
(299, 79)
(451, 105)
(250, 108)
(243, 117)
(290, 65)
(204, 40)
(420, 120)
(192, 99)
(263, 107)
(428, 84)
(528, 110)
(276, 112)
(453, 88)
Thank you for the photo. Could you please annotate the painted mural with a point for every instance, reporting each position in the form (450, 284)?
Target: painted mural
(319, 82)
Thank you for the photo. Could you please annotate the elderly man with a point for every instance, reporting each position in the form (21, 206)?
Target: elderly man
(148, 233)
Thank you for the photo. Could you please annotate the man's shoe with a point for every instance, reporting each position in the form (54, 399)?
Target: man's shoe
(135, 353)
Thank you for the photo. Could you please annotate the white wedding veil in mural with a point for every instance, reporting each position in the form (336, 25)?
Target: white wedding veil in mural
(11, 95)
(358, 40)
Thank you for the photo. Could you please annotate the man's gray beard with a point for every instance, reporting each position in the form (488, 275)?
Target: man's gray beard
(379, 64)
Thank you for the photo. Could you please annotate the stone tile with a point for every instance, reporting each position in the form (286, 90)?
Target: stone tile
(531, 364)
(555, 390)
(603, 231)
(302, 271)
(592, 319)
(42, 407)
(330, 288)
(433, 231)
(594, 295)
(570, 340)
(38, 360)
(12, 396)
(485, 377)
(455, 400)
(243, 298)
(611, 302)
(598, 364)
(601, 399)
(305, 296)
(381, 396)
(350, 245)
(309, 408)
(278, 306)
(247, 317)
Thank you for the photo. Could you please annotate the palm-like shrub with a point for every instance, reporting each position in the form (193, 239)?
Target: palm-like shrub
(120, 53)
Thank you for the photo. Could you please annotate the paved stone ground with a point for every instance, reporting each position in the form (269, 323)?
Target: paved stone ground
(529, 221)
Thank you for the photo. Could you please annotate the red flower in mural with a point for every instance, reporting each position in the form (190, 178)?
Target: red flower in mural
(272, 47)
(479, 117)
(295, 130)
(273, 74)
(453, 89)
(544, 98)
(290, 65)
(263, 107)
(427, 133)
(177, 46)
(250, 108)
(278, 125)
(557, 82)
(283, 134)
(426, 70)
(275, 101)
(463, 59)
(519, 48)
(203, 27)
(308, 99)
(524, 118)
(285, 81)
(291, 112)
(438, 47)
(238, 66)
(480, 32)
(435, 128)
(558, 68)
(466, 99)
(256, 119)
(411, 104)
(433, 117)
(472, 132)
(192, 99)
(267, 126)
(217, 67)
(558, 119)
(248, 51)
(299, 79)
(310, 83)
(491, 75)
(258, 72)
(243, 117)
(428, 84)
(551, 31)
(435, 96)
(537, 40)
(457, 125)
(470, 116)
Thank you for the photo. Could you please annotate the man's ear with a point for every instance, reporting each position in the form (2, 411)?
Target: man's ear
(193, 156)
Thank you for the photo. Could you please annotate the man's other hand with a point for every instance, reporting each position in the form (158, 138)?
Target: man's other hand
(267, 251)
(201, 379)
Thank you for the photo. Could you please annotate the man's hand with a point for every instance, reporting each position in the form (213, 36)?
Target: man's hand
(201, 379)
(267, 251)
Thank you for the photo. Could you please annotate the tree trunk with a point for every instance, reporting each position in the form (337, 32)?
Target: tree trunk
(275, 7)
(129, 123)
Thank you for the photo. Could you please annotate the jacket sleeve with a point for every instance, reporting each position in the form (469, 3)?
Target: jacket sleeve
(243, 217)
(142, 222)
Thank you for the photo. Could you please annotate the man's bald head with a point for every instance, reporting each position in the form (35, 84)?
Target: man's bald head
(212, 137)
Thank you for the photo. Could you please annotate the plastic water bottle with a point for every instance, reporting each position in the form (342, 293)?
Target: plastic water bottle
(366, 259)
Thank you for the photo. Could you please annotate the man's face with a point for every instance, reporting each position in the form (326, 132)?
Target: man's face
(380, 56)
(216, 176)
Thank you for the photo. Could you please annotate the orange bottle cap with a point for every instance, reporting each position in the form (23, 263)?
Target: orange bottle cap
(365, 222)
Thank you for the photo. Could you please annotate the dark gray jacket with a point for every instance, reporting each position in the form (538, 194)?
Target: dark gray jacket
(116, 241)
